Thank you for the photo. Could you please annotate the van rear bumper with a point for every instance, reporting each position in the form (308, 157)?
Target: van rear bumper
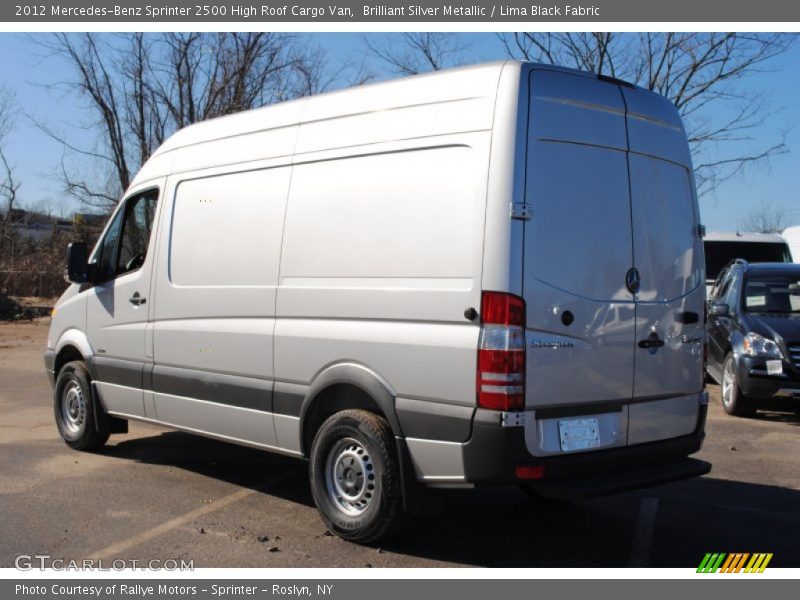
(623, 480)
(493, 453)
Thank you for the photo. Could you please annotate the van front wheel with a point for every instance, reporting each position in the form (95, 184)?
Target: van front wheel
(355, 476)
(75, 410)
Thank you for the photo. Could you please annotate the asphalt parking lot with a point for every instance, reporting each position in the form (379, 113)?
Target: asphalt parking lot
(161, 494)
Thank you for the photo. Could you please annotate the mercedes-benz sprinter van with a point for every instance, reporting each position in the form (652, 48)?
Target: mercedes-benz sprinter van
(492, 274)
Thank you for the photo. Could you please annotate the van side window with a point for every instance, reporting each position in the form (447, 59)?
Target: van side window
(108, 251)
(136, 230)
(124, 246)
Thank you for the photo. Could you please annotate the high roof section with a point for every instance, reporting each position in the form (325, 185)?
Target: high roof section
(454, 100)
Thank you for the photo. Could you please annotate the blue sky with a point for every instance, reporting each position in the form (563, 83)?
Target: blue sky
(37, 157)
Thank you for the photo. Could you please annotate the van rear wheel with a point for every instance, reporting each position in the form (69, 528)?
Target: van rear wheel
(734, 402)
(75, 409)
(355, 476)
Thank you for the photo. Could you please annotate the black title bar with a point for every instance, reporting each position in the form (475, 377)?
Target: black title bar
(421, 11)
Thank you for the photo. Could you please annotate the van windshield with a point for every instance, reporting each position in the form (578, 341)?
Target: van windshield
(719, 254)
(773, 295)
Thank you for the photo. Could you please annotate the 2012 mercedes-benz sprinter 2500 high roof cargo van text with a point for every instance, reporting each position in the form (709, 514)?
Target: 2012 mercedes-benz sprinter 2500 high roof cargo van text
(485, 275)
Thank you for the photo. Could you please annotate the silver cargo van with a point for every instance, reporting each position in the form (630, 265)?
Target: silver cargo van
(492, 274)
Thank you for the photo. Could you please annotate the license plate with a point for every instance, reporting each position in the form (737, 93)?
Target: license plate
(774, 367)
(579, 434)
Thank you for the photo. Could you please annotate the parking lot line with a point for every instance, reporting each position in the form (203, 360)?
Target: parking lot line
(115, 549)
(642, 543)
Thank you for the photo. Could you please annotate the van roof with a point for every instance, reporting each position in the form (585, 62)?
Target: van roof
(744, 236)
(451, 84)
(470, 88)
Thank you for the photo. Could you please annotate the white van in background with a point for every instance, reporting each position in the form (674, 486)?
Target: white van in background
(722, 247)
(792, 237)
(491, 274)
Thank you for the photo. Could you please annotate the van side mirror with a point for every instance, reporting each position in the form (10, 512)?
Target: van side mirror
(719, 309)
(78, 263)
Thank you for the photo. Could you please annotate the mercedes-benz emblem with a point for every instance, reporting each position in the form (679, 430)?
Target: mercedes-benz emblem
(633, 280)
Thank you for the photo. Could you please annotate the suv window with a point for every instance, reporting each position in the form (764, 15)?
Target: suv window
(124, 246)
(717, 290)
(731, 292)
(773, 295)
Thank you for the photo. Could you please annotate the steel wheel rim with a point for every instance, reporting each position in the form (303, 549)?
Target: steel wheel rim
(727, 383)
(350, 477)
(73, 408)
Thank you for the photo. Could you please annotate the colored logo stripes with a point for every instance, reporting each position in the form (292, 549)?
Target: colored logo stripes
(720, 562)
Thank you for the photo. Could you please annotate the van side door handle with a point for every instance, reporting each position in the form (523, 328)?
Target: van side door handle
(651, 341)
(137, 299)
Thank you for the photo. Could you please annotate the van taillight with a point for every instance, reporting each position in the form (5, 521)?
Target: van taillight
(501, 352)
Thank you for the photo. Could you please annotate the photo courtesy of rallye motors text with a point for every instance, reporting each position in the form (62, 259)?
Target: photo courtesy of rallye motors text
(144, 591)
(63, 589)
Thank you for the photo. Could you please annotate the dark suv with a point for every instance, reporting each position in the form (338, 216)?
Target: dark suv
(754, 334)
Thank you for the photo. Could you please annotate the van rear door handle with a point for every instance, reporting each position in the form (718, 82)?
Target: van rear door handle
(137, 299)
(651, 341)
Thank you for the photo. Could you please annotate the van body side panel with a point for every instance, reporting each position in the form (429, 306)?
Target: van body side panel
(502, 248)
(215, 311)
(395, 262)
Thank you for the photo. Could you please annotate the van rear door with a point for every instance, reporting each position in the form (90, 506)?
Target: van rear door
(578, 249)
(668, 256)
(612, 267)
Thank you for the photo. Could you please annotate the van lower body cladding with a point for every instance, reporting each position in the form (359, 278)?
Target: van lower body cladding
(494, 452)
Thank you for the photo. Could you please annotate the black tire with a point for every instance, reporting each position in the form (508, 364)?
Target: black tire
(734, 402)
(363, 508)
(81, 420)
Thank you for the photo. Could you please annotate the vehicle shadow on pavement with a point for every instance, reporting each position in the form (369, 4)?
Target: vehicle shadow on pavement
(779, 412)
(238, 465)
(500, 527)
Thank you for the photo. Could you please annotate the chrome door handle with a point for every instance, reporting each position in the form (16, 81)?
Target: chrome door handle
(137, 299)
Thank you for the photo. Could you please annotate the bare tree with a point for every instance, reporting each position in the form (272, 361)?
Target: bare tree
(417, 52)
(764, 218)
(9, 185)
(701, 73)
(140, 87)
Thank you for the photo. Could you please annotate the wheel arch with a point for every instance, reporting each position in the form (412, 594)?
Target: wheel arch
(735, 346)
(344, 386)
(72, 345)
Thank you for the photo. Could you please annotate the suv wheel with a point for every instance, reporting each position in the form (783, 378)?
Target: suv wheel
(733, 400)
(355, 476)
(75, 409)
